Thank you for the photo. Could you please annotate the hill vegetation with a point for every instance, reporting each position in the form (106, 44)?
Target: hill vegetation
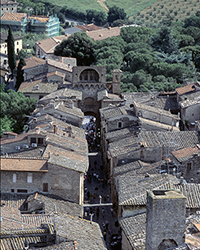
(151, 59)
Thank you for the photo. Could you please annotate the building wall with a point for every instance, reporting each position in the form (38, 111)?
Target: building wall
(65, 182)
(18, 47)
(165, 220)
(30, 73)
(11, 8)
(133, 210)
(125, 243)
(125, 121)
(157, 117)
(15, 26)
(68, 74)
(190, 169)
(37, 96)
(7, 184)
(191, 113)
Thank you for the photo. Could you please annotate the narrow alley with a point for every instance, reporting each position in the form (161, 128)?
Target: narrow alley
(97, 200)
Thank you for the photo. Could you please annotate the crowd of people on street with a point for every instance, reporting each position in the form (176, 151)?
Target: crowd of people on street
(97, 193)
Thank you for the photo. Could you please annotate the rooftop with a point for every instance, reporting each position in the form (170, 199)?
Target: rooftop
(132, 188)
(111, 112)
(186, 153)
(7, 2)
(33, 61)
(102, 34)
(41, 19)
(188, 88)
(38, 86)
(48, 45)
(23, 164)
(88, 27)
(14, 17)
(59, 65)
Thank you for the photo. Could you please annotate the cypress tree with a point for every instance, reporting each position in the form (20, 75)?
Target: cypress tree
(20, 73)
(11, 50)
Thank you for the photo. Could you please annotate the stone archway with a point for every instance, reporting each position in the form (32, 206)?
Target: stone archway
(167, 243)
(89, 75)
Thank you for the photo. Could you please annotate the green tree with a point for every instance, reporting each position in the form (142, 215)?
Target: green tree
(20, 73)
(11, 50)
(15, 108)
(78, 45)
(115, 13)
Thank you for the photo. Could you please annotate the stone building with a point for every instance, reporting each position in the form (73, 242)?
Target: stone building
(166, 216)
(3, 45)
(8, 6)
(188, 162)
(52, 160)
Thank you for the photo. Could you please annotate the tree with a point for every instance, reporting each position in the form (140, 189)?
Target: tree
(20, 73)
(164, 41)
(11, 50)
(115, 13)
(15, 108)
(78, 45)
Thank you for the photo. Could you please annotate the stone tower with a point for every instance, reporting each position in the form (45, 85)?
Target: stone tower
(165, 219)
(116, 89)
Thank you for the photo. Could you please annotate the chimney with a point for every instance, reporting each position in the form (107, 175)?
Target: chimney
(54, 128)
(181, 180)
(166, 216)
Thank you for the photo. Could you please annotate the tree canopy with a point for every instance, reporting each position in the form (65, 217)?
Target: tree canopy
(78, 45)
(115, 13)
(11, 50)
(15, 108)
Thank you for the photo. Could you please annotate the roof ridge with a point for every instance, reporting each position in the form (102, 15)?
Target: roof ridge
(24, 157)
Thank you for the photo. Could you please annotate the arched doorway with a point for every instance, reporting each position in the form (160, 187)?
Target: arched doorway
(167, 243)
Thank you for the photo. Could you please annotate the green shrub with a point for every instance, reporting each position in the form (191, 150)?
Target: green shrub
(138, 13)
(175, 12)
(163, 13)
(159, 17)
(154, 8)
(142, 15)
(170, 11)
(158, 11)
(188, 13)
(147, 17)
(154, 15)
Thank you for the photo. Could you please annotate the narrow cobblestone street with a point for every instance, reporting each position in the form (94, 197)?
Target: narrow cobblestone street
(97, 185)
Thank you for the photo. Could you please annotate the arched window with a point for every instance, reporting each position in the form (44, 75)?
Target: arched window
(119, 125)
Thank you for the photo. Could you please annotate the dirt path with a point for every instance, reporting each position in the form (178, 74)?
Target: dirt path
(101, 2)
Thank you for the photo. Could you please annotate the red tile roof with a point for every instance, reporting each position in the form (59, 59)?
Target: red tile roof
(41, 19)
(24, 164)
(88, 27)
(15, 17)
(185, 152)
(20, 137)
(186, 89)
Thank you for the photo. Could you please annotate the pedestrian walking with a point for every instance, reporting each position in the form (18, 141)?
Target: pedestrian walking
(100, 198)
(104, 235)
(111, 210)
(108, 197)
(94, 196)
(103, 212)
(106, 224)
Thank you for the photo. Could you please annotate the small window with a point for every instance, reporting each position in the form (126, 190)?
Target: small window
(119, 125)
(41, 96)
(12, 190)
(17, 43)
(29, 178)
(14, 177)
(40, 141)
(21, 190)
(33, 140)
(189, 166)
(45, 187)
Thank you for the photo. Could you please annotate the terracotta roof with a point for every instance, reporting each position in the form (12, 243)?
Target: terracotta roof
(41, 19)
(15, 17)
(33, 61)
(188, 88)
(19, 137)
(88, 27)
(186, 153)
(7, 2)
(102, 34)
(48, 45)
(24, 164)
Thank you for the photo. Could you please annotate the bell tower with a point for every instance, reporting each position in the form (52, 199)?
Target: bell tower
(116, 81)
